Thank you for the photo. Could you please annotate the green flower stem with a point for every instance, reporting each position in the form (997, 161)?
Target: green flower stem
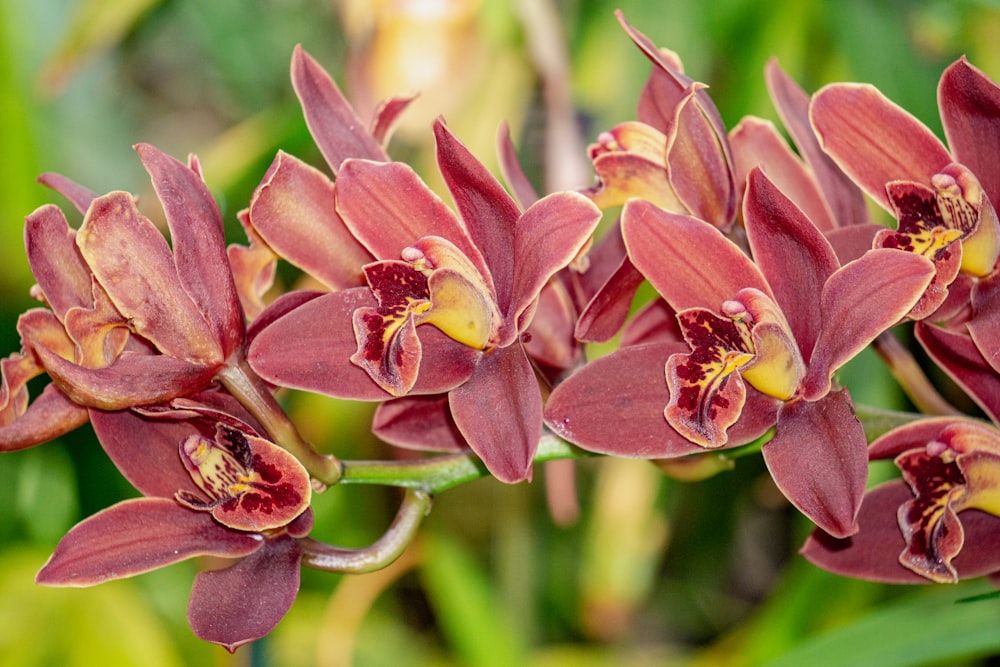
(911, 377)
(439, 473)
(389, 547)
(254, 395)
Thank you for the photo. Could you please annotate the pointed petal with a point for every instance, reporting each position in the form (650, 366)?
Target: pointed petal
(244, 601)
(419, 422)
(294, 211)
(55, 261)
(310, 348)
(198, 240)
(689, 262)
(958, 355)
(985, 321)
(136, 536)
(654, 322)
(487, 210)
(387, 116)
(860, 301)
(499, 412)
(819, 459)
(132, 380)
(145, 450)
(873, 552)
(852, 241)
(133, 263)
(49, 416)
(791, 252)
(388, 208)
(970, 111)
(512, 171)
(843, 197)
(78, 195)
(611, 282)
(548, 236)
(873, 139)
(334, 125)
(254, 267)
(756, 142)
(614, 405)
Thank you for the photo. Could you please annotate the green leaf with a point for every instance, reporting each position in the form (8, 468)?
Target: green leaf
(922, 628)
(466, 606)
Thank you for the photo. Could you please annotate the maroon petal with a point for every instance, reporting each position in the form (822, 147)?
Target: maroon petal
(388, 208)
(294, 211)
(614, 405)
(132, 380)
(334, 125)
(310, 348)
(860, 301)
(78, 195)
(548, 236)
(610, 283)
(843, 197)
(145, 450)
(419, 422)
(819, 459)
(852, 241)
(689, 262)
(970, 111)
(958, 355)
(49, 416)
(873, 139)
(873, 552)
(985, 321)
(499, 412)
(915, 435)
(197, 237)
(487, 210)
(55, 261)
(512, 171)
(791, 252)
(136, 536)
(756, 142)
(244, 601)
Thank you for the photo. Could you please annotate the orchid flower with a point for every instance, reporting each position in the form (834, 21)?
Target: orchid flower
(128, 321)
(760, 350)
(939, 523)
(212, 486)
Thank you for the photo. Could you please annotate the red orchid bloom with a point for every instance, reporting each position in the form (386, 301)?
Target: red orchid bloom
(939, 523)
(939, 196)
(212, 486)
(130, 321)
(476, 278)
(760, 350)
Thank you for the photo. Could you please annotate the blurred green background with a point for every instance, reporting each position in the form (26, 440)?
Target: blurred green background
(651, 571)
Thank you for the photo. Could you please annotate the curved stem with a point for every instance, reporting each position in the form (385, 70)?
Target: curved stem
(253, 394)
(911, 377)
(389, 547)
(439, 473)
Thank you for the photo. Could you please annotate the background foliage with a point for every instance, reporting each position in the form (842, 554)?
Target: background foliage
(651, 571)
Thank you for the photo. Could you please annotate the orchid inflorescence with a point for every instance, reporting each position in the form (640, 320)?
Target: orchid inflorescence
(469, 326)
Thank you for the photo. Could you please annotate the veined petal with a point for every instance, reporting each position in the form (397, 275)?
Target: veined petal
(56, 263)
(49, 416)
(844, 198)
(861, 300)
(819, 459)
(873, 139)
(197, 238)
(133, 263)
(334, 125)
(689, 262)
(79, 196)
(499, 412)
(294, 211)
(547, 238)
(970, 108)
(791, 252)
(136, 536)
(245, 601)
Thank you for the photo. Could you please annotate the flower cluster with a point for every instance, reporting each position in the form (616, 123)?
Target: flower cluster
(468, 323)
